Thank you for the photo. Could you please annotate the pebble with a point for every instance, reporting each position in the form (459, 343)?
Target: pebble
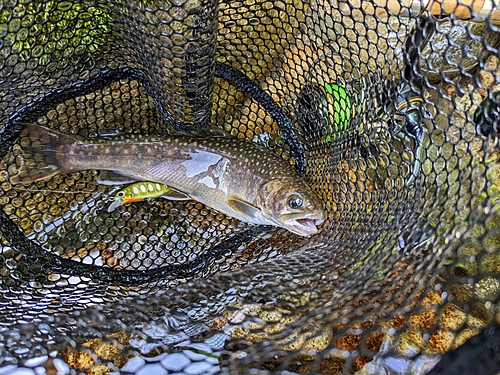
(36, 361)
(175, 361)
(486, 78)
(199, 368)
(17, 371)
(149, 369)
(61, 366)
(134, 364)
(194, 356)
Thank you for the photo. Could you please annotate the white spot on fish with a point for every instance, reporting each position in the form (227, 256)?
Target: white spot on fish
(219, 173)
(200, 162)
(135, 190)
(150, 187)
(143, 188)
(158, 187)
(208, 181)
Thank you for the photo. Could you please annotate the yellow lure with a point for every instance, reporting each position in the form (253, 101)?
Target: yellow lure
(143, 190)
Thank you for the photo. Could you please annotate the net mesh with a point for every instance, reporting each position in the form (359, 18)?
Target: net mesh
(389, 114)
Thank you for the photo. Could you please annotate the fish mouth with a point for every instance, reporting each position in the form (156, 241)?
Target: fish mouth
(303, 225)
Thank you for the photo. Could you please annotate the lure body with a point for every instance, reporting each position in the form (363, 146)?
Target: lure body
(138, 192)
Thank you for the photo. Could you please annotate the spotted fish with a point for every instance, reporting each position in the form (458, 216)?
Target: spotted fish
(237, 178)
(143, 190)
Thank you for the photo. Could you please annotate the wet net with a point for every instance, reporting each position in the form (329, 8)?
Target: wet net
(388, 110)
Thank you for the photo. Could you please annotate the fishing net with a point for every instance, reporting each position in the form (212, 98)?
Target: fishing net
(388, 110)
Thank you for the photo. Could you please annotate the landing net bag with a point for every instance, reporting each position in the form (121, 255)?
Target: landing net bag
(388, 110)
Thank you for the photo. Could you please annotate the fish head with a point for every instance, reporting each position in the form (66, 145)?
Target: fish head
(292, 204)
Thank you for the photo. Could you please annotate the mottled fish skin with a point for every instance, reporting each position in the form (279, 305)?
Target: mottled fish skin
(215, 171)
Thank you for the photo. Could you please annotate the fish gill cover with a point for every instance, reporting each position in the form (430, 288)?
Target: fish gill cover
(387, 110)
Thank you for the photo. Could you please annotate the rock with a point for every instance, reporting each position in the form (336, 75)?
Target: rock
(448, 40)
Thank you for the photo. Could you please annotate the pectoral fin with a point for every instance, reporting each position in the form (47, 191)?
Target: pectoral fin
(243, 207)
(113, 178)
(175, 195)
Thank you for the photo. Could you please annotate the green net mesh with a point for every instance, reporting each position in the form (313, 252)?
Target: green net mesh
(387, 111)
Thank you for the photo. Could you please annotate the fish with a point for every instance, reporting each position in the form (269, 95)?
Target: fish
(237, 178)
(140, 191)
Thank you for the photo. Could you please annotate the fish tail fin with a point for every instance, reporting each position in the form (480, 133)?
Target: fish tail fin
(42, 154)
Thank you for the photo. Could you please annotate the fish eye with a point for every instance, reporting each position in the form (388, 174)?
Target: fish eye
(295, 200)
(120, 194)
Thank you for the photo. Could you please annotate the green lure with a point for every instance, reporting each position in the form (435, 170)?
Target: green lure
(339, 110)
